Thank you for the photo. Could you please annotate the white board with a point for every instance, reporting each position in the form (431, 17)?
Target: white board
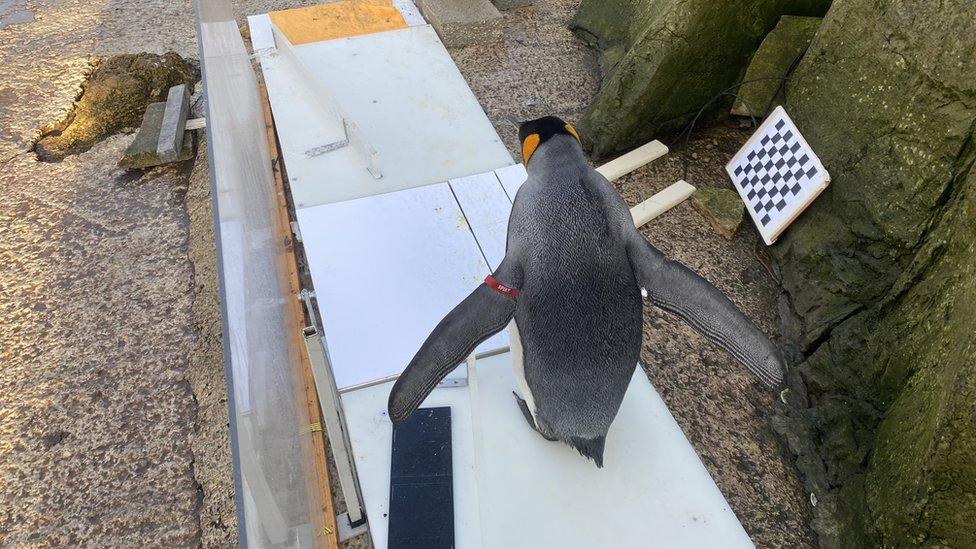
(487, 208)
(386, 269)
(777, 175)
(511, 178)
(371, 435)
(403, 91)
(652, 491)
(513, 489)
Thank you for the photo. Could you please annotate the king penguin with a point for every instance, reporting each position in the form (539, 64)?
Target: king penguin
(572, 278)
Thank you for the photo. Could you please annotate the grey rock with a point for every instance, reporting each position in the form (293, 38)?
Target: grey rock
(144, 150)
(762, 86)
(662, 60)
(880, 272)
(171, 129)
(722, 208)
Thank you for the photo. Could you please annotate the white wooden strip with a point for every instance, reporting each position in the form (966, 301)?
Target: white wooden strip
(636, 158)
(262, 38)
(511, 178)
(661, 202)
(486, 207)
(196, 123)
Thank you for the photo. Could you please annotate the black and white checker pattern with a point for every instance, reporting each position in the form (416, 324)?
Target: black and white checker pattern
(777, 174)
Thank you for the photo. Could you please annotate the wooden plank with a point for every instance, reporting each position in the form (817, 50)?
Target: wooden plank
(661, 202)
(320, 494)
(636, 158)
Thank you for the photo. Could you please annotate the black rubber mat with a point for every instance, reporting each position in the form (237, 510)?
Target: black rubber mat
(421, 482)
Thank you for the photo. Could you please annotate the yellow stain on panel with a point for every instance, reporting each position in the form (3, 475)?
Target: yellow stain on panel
(337, 20)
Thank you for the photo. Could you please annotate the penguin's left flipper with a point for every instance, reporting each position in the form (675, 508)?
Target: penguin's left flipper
(677, 289)
(481, 315)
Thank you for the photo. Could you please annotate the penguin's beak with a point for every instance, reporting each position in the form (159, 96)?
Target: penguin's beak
(515, 121)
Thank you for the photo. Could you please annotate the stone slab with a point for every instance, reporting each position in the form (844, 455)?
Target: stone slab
(142, 153)
(170, 142)
(463, 22)
(722, 208)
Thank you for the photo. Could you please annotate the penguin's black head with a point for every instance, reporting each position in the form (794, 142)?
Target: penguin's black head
(536, 132)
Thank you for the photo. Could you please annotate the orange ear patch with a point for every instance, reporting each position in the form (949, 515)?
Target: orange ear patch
(572, 131)
(529, 146)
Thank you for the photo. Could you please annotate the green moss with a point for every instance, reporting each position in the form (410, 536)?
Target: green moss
(773, 60)
(114, 98)
(722, 208)
(679, 54)
(882, 272)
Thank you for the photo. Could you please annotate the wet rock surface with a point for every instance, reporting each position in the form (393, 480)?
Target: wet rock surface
(650, 48)
(763, 85)
(879, 274)
(113, 98)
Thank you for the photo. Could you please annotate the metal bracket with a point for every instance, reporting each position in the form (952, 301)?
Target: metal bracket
(450, 382)
(335, 422)
(346, 530)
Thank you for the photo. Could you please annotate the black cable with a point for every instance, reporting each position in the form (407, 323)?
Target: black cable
(686, 133)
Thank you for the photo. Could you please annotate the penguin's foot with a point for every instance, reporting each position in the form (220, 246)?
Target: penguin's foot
(528, 417)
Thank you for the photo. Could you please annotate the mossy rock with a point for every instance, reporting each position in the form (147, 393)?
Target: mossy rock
(881, 272)
(662, 60)
(113, 98)
(782, 48)
(722, 208)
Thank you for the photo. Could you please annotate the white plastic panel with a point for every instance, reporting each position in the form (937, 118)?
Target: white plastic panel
(652, 491)
(386, 270)
(403, 91)
(274, 468)
(511, 178)
(486, 207)
(260, 28)
(371, 434)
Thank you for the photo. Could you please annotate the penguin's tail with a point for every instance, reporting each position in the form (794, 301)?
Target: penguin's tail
(591, 448)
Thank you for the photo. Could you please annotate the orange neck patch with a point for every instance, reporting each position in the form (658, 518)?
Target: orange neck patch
(529, 146)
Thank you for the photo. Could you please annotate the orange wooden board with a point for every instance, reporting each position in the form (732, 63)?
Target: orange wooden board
(337, 20)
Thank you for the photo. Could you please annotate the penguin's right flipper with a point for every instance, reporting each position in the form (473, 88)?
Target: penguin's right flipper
(677, 289)
(481, 315)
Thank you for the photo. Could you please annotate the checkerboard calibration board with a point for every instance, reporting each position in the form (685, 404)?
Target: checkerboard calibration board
(777, 175)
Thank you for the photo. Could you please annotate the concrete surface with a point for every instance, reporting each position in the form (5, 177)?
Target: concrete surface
(462, 22)
(113, 420)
